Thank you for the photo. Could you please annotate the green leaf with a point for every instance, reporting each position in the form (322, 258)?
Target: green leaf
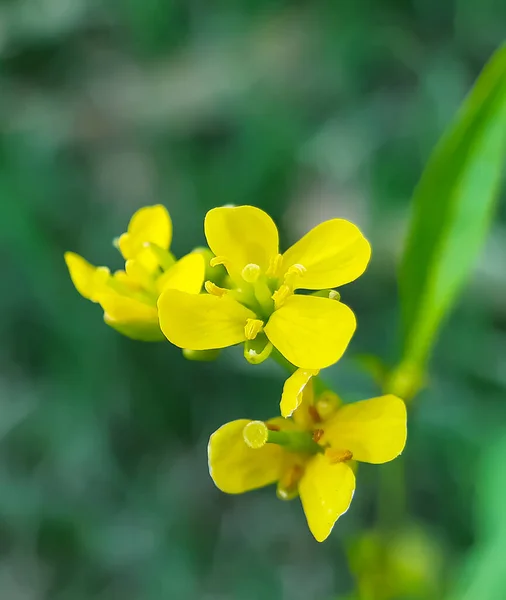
(452, 210)
(483, 575)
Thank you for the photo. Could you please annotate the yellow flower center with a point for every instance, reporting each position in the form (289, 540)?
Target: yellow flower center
(287, 288)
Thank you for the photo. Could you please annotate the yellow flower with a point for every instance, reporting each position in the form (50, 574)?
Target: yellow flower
(309, 454)
(309, 331)
(129, 297)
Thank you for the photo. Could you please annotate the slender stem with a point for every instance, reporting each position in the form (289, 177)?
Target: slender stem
(295, 441)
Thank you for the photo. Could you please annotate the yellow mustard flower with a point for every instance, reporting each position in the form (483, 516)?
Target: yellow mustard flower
(128, 297)
(309, 331)
(309, 454)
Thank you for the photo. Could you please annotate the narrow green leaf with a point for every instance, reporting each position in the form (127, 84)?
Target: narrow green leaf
(452, 210)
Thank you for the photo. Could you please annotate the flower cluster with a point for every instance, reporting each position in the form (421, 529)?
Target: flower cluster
(128, 297)
(279, 305)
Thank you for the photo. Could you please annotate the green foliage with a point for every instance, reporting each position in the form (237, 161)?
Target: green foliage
(483, 575)
(452, 210)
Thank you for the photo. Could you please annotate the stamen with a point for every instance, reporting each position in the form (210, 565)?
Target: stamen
(274, 266)
(218, 260)
(338, 455)
(281, 295)
(313, 412)
(317, 435)
(252, 328)
(296, 269)
(272, 427)
(334, 295)
(255, 434)
(251, 273)
(294, 272)
(213, 289)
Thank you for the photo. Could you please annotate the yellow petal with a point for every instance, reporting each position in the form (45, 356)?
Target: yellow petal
(124, 309)
(311, 332)
(202, 321)
(141, 331)
(237, 468)
(333, 253)
(131, 317)
(148, 224)
(87, 279)
(242, 235)
(293, 391)
(326, 491)
(186, 275)
(373, 430)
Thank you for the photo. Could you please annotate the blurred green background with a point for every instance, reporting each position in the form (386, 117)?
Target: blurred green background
(309, 110)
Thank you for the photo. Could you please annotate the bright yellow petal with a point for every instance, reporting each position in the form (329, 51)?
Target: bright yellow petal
(148, 224)
(202, 321)
(311, 332)
(131, 317)
(124, 309)
(242, 235)
(293, 391)
(87, 279)
(141, 331)
(237, 468)
(333, 253)
(374, 430)
(326, 491)
(186, 275)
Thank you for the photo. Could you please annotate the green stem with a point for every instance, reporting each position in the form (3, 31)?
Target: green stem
(295, 441)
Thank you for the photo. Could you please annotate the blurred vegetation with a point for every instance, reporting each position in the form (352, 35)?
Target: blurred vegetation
(309, 110)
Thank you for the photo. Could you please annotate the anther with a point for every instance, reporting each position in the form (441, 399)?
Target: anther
(317, 435)
(274, 266)
(281, 295)
(296, 269)
(251, 273)
(314, 414)
(337, 455)
(255, 434)
(334, 295)
(294, 272)
(252, 328)
(213, 289)
(218, 260)
(272, 427)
